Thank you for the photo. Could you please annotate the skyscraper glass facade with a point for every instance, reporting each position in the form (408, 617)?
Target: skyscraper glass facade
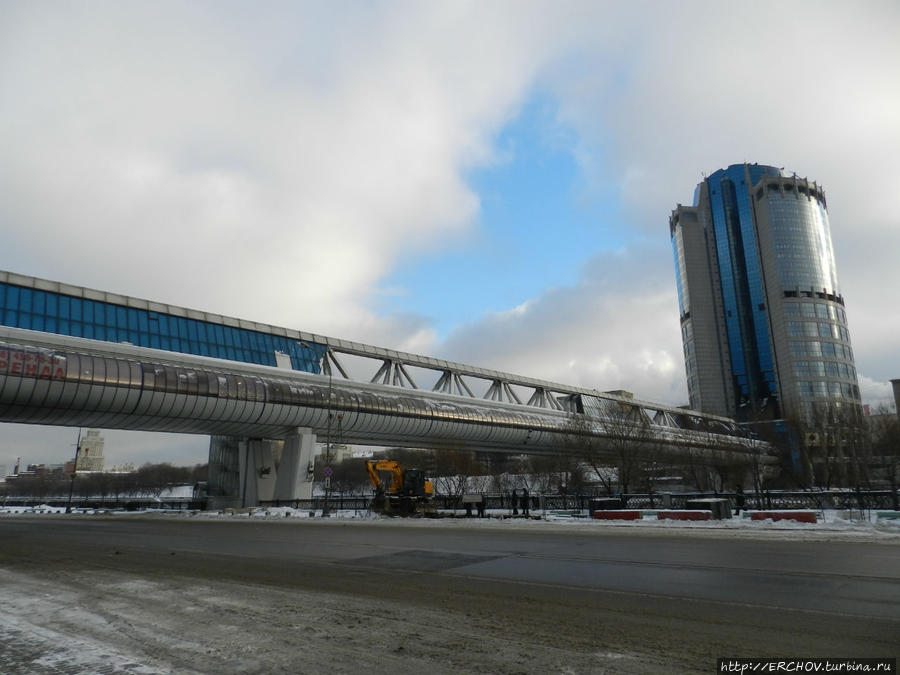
(741, 277)
(802, 239)
(758, 244)
(55, 312)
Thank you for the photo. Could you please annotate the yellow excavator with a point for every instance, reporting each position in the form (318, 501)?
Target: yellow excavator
(409, 493)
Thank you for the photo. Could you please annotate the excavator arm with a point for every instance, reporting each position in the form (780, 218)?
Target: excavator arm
(374, 466)
(374, 478)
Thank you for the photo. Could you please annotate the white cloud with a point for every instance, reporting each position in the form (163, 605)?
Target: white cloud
(808, 86)
(876, 393)
(617, 328)
(272, 165)
(813, 91)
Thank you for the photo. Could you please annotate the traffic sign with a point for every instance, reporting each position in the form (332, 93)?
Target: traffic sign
(328, 472)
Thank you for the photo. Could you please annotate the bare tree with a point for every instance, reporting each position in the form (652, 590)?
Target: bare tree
(559, 473)
(649, 466)
(454, 470)
(627, 442)
(582, 442)
(94, 484)
(856, 440)
(37, 486)
(350, 476)
(884, 429)
(154, 478)
(698, 471)
(836, 447)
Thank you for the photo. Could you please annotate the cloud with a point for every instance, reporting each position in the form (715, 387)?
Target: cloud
(270, 164)
(813, 91)
(617, 328)
(810, 87)
(876, 393)
(273, 165)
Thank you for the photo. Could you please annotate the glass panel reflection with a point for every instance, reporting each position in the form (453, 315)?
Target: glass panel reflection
(75, 317)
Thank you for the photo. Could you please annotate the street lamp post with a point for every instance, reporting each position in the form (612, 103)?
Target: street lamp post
(74, 470)
(327, 468)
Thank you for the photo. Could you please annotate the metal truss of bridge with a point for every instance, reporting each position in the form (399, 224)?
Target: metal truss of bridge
(77, 357)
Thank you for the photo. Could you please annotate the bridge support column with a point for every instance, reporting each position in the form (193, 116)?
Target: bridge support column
(248, 492)
(295, 471)
(256, 460)
(242, 471)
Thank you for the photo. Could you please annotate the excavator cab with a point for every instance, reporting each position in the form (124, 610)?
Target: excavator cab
(413, 483)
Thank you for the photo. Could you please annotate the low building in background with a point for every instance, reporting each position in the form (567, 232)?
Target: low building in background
(44, 469)
(128, 467)
(337, 453)
(896, 385)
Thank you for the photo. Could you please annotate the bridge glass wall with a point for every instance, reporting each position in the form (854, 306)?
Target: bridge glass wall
(51, 312)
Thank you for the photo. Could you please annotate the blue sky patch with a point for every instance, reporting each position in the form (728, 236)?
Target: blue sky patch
(537, 226)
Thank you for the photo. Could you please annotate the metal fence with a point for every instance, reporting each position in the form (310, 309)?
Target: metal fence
(107, 503)
(808, 499)
(774, 499)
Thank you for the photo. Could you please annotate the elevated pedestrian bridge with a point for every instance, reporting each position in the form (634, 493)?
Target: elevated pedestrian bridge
(307, 389)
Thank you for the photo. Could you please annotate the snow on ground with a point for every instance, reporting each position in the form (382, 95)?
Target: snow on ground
(855, 524)
(120, 622)
(49, 649)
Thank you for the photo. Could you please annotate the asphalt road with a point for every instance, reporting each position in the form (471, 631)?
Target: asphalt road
(534, 598)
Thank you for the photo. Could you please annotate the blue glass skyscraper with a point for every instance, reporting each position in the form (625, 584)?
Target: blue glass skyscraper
(763, 321)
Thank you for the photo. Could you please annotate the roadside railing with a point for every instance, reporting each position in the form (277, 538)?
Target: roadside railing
(768, 499)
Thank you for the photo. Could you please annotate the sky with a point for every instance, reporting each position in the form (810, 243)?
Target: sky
(483, 182)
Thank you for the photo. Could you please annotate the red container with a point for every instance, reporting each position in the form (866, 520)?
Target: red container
(617, 515)
(684, 515)
(797, 516)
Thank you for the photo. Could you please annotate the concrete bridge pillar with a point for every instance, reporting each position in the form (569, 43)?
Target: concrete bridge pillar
(256, 459)
(295, 471)
(246, 471)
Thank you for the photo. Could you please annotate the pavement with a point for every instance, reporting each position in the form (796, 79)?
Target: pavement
(159, 594)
